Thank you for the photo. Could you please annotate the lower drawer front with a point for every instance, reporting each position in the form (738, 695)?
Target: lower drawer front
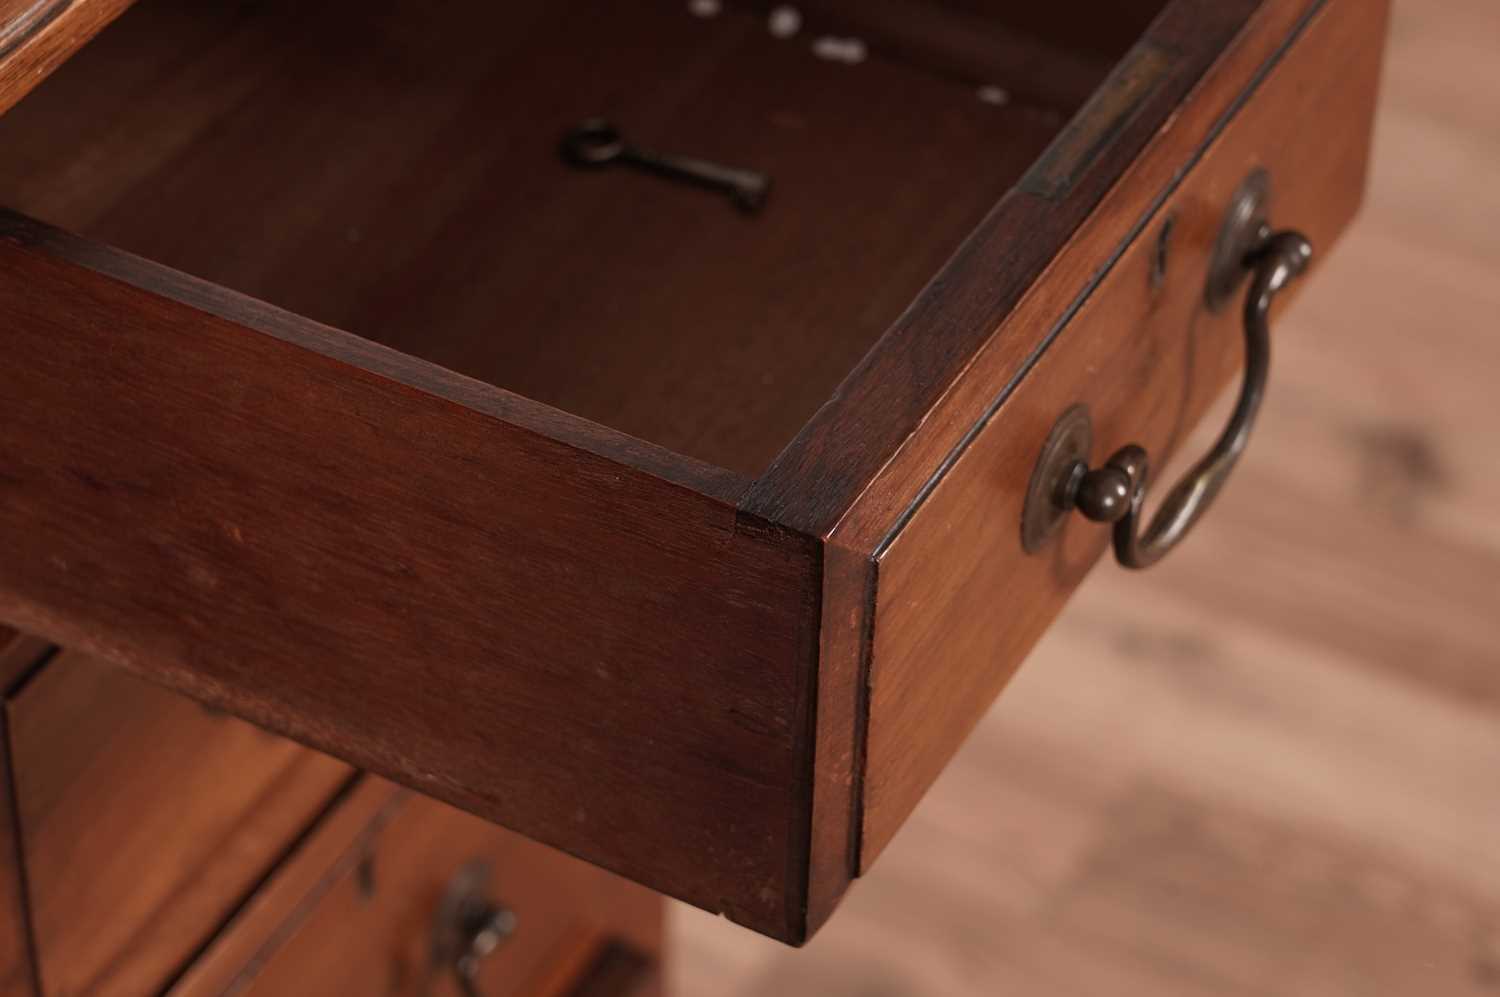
(145, 821)
(363, 908)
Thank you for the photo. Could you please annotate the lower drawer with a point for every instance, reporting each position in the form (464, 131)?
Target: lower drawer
(145, 821)
(390, 890)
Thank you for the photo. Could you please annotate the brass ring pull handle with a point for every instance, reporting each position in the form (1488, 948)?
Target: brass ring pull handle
(1116, 492)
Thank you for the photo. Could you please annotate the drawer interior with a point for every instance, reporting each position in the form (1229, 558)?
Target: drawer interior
(395, 174)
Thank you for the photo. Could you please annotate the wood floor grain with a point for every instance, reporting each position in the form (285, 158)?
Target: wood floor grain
(1270, 765)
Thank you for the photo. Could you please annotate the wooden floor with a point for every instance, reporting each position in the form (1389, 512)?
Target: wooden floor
(1270, 765)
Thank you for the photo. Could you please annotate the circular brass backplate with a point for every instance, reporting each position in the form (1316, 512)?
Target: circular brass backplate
(1069, 442)
(1245, 225)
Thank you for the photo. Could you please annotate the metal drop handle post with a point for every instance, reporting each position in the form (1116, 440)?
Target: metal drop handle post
(1116, 491)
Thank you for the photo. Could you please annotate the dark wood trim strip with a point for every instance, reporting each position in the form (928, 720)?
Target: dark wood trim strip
(836, 753)
(1100, 123)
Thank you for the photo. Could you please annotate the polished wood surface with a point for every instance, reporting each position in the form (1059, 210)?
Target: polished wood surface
(958, 602)
(1269, 766)
(256, 510)
(216, 139)
(37, 36)
(433, 577)
(145, 820)
(354, 912)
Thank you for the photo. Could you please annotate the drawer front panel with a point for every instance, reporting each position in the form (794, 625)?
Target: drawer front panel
(958, 602)
(145, 820)
(356, 912)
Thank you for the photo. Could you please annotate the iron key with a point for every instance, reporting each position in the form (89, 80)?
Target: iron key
(596, 143)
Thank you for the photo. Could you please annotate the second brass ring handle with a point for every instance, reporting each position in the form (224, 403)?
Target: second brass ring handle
(1116, 491)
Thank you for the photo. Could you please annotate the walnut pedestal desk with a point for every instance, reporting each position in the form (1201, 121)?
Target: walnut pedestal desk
(419, 554)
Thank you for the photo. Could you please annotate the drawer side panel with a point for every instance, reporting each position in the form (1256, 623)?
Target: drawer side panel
(238, 506)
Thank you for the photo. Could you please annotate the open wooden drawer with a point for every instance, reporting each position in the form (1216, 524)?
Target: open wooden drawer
(686, 541)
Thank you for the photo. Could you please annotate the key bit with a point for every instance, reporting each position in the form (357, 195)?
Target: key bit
(596, 143)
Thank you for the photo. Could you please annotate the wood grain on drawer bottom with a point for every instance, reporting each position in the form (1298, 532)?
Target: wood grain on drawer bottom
(145, 821)
(353, 912)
